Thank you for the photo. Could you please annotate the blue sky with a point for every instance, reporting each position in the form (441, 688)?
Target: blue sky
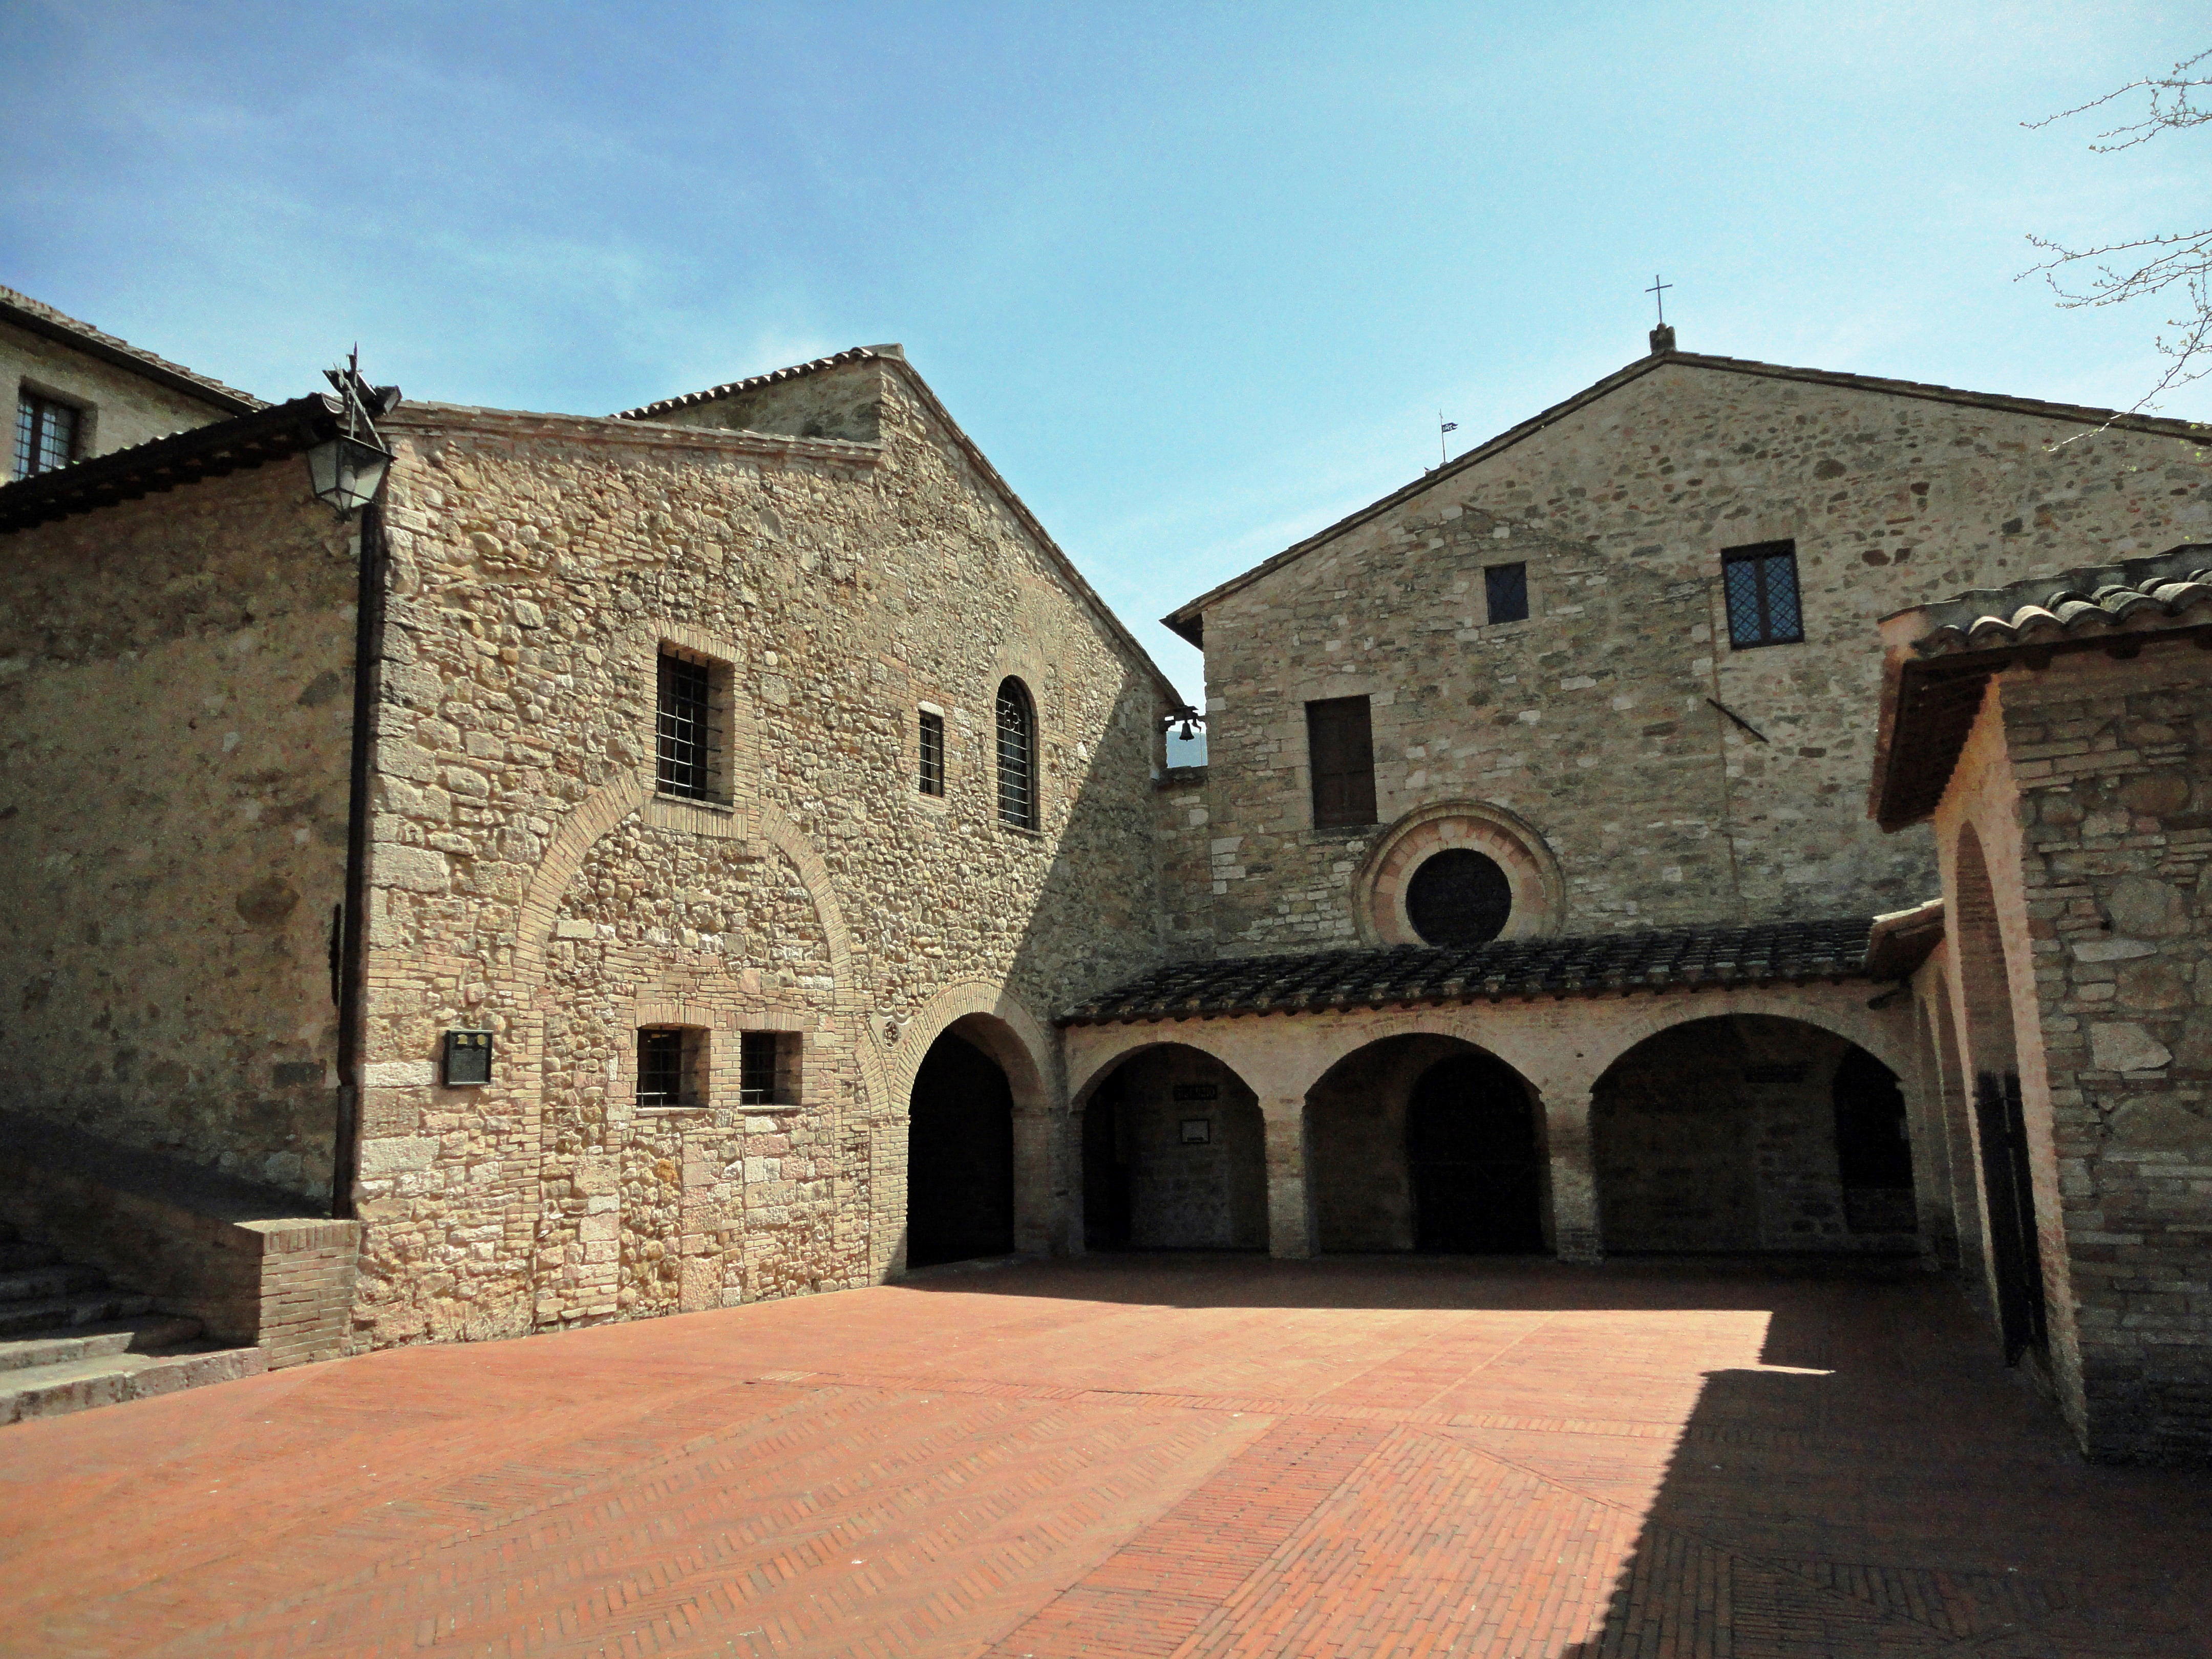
(1197, 277)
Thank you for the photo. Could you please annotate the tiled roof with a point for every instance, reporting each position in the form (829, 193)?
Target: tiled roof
(1941, 657)
(40, 317)
(1403, 976)
(1189, 620)
(2080, 605)
(236, 445)
(730, 388)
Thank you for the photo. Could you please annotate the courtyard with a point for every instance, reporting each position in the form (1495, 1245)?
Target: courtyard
(1133, 1456)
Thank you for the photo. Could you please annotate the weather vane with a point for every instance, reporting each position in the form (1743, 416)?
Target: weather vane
(1443, 426)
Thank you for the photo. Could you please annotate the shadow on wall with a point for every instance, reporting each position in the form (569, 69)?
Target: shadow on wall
(1174, 1155)
(988, 1167)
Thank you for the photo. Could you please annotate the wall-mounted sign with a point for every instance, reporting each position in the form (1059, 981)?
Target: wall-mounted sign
(1197, 1092)
(468, 1060)
(1197, 1131)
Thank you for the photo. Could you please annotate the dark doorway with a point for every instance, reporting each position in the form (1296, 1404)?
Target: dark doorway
(1108, 1175)
(960, 1157)
(2015, 1249)
(1874, 1148)
(1472, 1149)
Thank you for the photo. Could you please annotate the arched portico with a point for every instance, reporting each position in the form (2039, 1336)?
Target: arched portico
(1558, 1046)
(1748, 1132)
(1173, 1149)
(1425, 1141)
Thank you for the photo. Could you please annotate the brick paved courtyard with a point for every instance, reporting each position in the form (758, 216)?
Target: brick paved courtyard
(1134, 1456)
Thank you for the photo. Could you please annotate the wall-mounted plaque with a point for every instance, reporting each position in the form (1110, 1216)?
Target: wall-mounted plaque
(468, 1060)
(1197, 1131)
(1197, 1092)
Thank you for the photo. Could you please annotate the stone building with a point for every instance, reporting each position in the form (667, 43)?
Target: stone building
(732, 775)
(724, 850)
(2054, 733)
(77, 392)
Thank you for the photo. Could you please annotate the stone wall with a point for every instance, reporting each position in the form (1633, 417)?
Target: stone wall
(2100, 788)
(526, 878)
(1186, 1194)
(1593, 720)
(121, 409)
(176, 681)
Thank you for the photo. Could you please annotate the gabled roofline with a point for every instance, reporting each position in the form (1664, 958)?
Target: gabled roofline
(36, 316)
(1189, 620)
(894, 357)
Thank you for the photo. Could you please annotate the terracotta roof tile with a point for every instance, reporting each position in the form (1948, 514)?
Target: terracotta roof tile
(731, 388)
(1653, 959)
(2082, 603)
(41, 318)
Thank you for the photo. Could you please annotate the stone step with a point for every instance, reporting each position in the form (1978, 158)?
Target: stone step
(59, 1315)
(19, 1253)
(149, 1335)
(109, 1379)
(45, 1284)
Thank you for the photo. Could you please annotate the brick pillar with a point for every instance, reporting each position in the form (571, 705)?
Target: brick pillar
(1289, 1196)
(1575, 1233)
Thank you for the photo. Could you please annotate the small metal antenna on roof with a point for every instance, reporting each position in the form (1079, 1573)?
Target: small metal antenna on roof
(1663, 337)
(1443, 426)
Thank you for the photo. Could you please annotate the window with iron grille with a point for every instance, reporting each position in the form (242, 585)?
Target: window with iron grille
(766, 1068)
(683, 726)
(1761, 584)
(1505, 591)
(930, 755)
(46, 434)
(1340, 751)
(670, 1066)
(1017, 772)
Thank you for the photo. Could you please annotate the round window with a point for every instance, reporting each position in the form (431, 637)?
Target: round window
(1459, 897)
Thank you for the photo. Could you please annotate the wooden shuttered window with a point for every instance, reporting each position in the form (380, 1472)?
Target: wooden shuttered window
(1340, 749)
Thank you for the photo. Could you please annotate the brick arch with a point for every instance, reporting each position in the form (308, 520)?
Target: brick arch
(1889, 1040)
(1540, 890)
(988, 1004)
(1191, 1034)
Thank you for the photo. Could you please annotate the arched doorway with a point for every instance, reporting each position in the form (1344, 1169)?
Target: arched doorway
(1425, 1142)
(960, 1157)
(1749, 1133)
(1174, 1155)
(1472, 1152)
(2015, 1251)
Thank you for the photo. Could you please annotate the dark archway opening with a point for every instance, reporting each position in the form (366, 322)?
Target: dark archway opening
(1174, 1155)
(1477, 1166)
(1874, 1146)
(1109, 1171)
(960, 1157)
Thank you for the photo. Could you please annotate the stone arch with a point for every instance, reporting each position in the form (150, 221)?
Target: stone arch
(1426, 1139)
(1147, 1180)
(1532, 869)
(1725, 1132)
(989, 1018)
(1887, 1035)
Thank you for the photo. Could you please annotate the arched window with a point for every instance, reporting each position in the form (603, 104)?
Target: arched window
(1018, 769)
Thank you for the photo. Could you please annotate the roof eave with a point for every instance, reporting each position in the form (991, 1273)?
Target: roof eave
(145, 366)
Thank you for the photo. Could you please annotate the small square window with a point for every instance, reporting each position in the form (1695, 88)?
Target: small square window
(1505, 591)
(768, 1068)
(1761, 585)
(671, 1066)
(46, 435)
(929, 771)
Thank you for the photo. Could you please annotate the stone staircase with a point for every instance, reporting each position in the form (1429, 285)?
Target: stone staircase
(70, 1340)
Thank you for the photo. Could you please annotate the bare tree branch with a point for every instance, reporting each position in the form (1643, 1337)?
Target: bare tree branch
(2106, 276)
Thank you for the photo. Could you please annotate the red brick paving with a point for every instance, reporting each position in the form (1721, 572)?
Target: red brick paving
(1171, 1458)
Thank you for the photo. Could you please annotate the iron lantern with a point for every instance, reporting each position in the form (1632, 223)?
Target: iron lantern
(348, 468)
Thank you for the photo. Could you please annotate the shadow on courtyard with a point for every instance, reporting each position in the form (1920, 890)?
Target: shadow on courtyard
(1878, 1485)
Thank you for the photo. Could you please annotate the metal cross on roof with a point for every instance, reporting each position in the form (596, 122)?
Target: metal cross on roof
(1658, 293)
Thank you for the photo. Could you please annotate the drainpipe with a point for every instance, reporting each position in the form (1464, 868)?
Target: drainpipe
(353, 958)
